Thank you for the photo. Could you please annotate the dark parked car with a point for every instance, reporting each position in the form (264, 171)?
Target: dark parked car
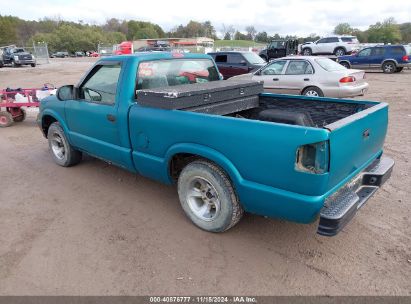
(59, 55)
(279, 48)
(237, 63)
(388, 58)
(78, 54)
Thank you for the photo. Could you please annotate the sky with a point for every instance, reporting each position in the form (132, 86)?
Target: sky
(294, 17)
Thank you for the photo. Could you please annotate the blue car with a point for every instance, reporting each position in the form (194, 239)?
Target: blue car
(388, 58)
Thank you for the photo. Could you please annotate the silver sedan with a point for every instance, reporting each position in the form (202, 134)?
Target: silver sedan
(310, 76)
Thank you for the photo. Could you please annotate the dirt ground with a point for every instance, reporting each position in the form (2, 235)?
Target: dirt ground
(95, 229)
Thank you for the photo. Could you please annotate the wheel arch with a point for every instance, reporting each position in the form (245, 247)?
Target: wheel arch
(340, 47)
(48, 117)
(181, 154)
(310, 86)
(387, 60)
(306, 47)
(345, 61)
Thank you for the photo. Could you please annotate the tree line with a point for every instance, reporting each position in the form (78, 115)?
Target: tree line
(73, 36)
(387, 31)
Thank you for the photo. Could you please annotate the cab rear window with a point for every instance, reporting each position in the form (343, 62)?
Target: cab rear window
(167, 73)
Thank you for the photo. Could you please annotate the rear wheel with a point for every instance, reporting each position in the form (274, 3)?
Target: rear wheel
(313, 91)
(339, 52)
(389, 67)
(6, 119)
(207, 196)
(307, 52)
(63, 154)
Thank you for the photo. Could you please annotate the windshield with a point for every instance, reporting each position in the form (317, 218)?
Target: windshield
(18, 51)
(167, 73)
(329, 65)
(253, 58)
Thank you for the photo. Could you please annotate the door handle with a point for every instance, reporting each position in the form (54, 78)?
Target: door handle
(306, 79)
(111, 118)
(276, 79)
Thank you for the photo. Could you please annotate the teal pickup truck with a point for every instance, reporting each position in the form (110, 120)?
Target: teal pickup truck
(227, 146)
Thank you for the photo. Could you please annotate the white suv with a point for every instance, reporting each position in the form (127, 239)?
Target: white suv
(337, 45)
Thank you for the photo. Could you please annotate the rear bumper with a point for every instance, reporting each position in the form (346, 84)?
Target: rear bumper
(346, 90)
(341, 207)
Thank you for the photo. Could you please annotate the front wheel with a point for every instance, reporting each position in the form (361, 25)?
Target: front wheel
(33, 65)
(307, 52)
(389, 67)
(313, 91)
(63, 154)
(398, 70)
(345, 64)
(207, 196)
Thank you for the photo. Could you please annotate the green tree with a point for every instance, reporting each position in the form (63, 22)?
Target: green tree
(227, 36)
(343, 29)
(386, 32)
(261, 37)
(8, 30)
(240, 36)
(405, 30)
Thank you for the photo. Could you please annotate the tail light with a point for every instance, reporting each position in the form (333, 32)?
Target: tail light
(347, 79)
(405, 58)
(313, 158)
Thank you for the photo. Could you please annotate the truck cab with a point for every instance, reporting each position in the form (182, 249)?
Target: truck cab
(18, 57)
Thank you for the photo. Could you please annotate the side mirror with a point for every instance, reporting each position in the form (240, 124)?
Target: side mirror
(65, 92)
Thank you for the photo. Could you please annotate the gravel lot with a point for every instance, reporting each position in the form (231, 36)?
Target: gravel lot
(95, 229)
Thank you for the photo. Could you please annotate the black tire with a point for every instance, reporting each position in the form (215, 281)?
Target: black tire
(33, 65)
(1, 64)
(345, 64)
(63, 154)
(307, 52)
(21, 117)
(313, 91)
(389, 67)
(204, 186)
(339, 52)
(6, 119)
(398, 70)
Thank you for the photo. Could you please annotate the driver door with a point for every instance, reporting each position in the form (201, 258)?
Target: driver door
(92, 117)
(271, 74)
(361, 60)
